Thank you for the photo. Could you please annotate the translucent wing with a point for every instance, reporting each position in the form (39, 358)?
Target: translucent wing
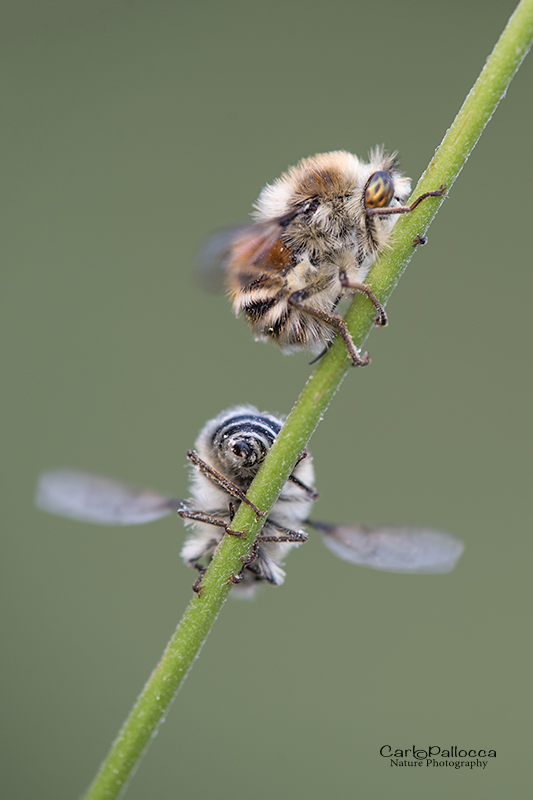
(410, 550)
(93, 498)
(248, 244)
(213, 258)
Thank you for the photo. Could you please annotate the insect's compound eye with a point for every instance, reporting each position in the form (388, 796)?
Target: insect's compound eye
(379, 190)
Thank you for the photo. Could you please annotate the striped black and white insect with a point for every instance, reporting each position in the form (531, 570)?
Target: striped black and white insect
(229, 451)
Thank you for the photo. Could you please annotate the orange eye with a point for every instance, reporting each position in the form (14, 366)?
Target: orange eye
(379, 190)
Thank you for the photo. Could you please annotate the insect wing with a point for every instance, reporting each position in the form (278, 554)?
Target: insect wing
(248, 244)
(93, 498)
(212, 260)
(409, 550)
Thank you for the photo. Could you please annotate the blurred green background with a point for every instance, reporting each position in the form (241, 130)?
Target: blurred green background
(132, 130)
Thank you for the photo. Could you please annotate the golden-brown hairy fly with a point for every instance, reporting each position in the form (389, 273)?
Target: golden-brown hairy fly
(318, 229)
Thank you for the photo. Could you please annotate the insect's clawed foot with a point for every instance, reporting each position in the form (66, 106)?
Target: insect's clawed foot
(197, 586)
(240, 534)
(362, 360)
(246, 559)
(234, 579)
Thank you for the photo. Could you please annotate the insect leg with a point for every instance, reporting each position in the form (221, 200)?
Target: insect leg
(221, 481)
(336, 321)
(250, 557)
(199, 516)
(383, 212)
(287, 535)
(365, 289)
(259, 576)
(293, 536)
(197, 585)
(247, 559)
(301, 457)
(311, 491)
(320, 355)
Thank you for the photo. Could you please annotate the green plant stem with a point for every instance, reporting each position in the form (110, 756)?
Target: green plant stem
(155, 698)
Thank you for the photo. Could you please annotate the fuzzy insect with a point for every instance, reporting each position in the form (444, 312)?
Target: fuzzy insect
(318, 229)
(229, 452)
